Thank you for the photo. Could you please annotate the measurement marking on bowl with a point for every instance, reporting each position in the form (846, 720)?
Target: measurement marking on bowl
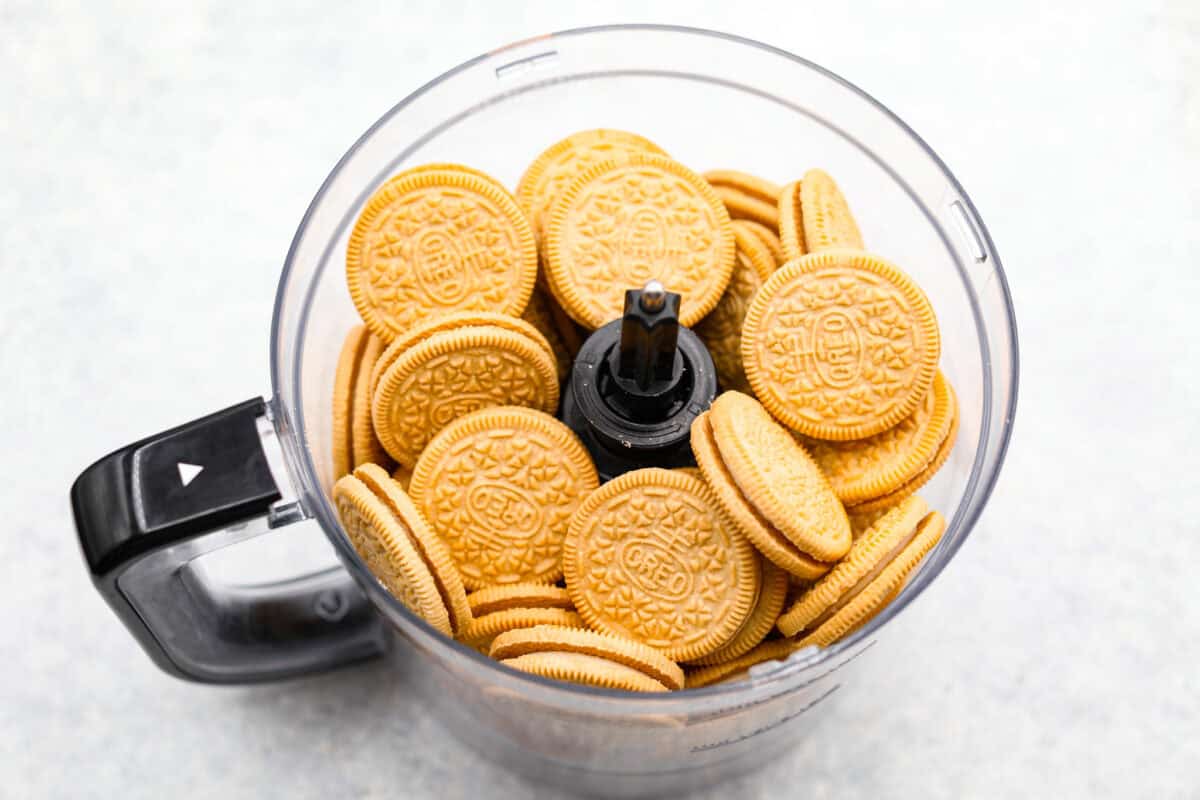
(524, 64)
(966, 229)
(759, 670)
(700, 748)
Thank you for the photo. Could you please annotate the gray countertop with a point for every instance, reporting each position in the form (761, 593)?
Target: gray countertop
(155, 165)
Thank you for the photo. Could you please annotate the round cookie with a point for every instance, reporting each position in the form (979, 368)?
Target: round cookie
(778, 477)
(482, 630)
(584, 669)
(721, 330)
(453, 373)
(762, 534)
(791, 222)
(840, 345)
(344, 379)
(568, 329)
(562, 162)
(736, 669)
(427, 543)
(385, 545)
(879, 607)
(539, 315)
(450, 166)
(365, 446)
(450, 322)
(866, 469)
(631, 219)
(744, 183)
(500, 486)
(858, 603)
(828, 223)
(921, 478)
(432, 241)
(761, 620)
(519, 595)
(871, 552)
(746, 206)
(547, 638)
(766, 235)
(651, 557)
(756, 254)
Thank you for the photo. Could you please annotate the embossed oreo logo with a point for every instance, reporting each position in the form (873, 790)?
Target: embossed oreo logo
(645, 243)
(450, 409)
(654, 569)
(442, 270)
(836, 348)
(494, 506)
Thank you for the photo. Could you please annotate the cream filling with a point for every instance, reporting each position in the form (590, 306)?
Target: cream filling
(864, 581)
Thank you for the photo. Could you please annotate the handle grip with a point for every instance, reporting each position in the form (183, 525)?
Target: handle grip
(144, 513)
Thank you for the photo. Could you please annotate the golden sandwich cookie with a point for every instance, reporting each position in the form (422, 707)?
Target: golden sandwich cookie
(867, 469)
(483, 629)
(840, 345)
(353, 434)
(560, 163)
(539, 314)
(746, 196)
(745, 183)
(500, 486)
(453, 373)
(456, 320)
(868, 578)
(428, 544)
(365, 443)
(921, 478)
(547, 638)
(518, 595)
(626, 221)
(569, 330)
(791, 222)
(385, 544)
(584, 669)
(435, 240)
(761, 620)
(344, 378)
(721, 330)
(778, 478)
(650, 556)
(768, 236)
(828, 223)
(765, 537)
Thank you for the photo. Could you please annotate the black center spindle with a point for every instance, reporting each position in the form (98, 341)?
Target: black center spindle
(637, 385)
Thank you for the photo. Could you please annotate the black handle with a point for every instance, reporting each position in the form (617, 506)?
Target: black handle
(144, 514)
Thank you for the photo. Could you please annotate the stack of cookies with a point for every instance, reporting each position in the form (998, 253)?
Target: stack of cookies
(483, 513)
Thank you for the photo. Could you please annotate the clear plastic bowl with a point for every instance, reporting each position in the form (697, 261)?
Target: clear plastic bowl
(712, 101)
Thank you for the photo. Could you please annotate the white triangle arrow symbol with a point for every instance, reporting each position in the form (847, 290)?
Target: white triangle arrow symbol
(188, 472)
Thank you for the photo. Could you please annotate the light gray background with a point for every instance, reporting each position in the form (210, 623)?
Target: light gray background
(156, 162)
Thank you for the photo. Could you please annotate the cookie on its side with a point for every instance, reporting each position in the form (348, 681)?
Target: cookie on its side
(868, 578)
